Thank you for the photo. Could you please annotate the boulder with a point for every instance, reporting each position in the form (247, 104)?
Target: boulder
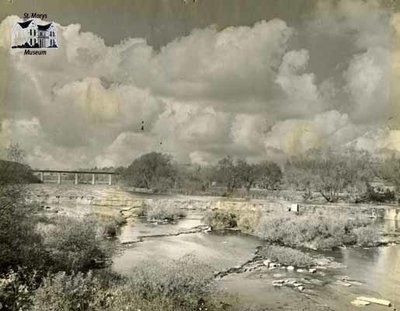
(382, 302)
(360, 303)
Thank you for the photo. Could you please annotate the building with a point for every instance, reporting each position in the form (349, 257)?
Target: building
(28, 34)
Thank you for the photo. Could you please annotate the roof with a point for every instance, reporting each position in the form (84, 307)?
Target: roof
(44, 27)
(25, 24)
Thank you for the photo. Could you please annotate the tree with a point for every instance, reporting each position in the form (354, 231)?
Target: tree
(242, 174)
(151, 171)
(227, 174)
(330, 173)
(194, 178)
(247, 174)
(269, 175)
(389, 170)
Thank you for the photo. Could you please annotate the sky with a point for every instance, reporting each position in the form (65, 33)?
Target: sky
(257, 80)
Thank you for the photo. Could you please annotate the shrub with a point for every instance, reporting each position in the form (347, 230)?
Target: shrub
(177, 285)
(112, 225)
(317, 230)
(220, 219)
(182, 285)
(248, 221)
(20, 243)
(75, 246)
(367, 236)
(185, 280)
(67, 292)
(161, 211)
(15, 289)
(286, 256)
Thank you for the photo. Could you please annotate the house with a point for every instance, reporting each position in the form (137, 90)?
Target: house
(28, 34)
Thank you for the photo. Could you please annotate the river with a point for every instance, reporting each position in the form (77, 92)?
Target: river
(371, 272)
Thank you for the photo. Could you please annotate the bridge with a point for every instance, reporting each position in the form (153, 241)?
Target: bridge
(76, 175)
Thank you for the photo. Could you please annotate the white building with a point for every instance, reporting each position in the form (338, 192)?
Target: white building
(28, 34)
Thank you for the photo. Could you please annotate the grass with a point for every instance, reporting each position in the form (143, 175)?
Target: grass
(74, 245)
(244, 220)
(367, 236)
(321, 230)
(181, 285)
(163, 211)
(220, 220)
(286, 256)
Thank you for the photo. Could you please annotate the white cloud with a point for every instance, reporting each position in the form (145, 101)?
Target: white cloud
(242, 91)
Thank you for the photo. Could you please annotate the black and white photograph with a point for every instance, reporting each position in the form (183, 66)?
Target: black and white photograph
(199, 155)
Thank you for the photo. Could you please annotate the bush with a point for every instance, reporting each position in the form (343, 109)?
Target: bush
(161, 211)
(112, 225)
(185, 283)
(286, 256)
(367, 236)
(248, 221)
(321, 230)
(16, 289)
(182, 285)
(75, 246)
(220, 219)
(20, 243)
(67, 292)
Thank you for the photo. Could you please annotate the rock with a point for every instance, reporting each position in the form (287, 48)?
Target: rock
(300, 288)
(272, 268)
(278, 275)
(382, 302)
(360, 303)
(300, 270)
(312, 270)
(343, 283)
(278, 281)
(266, 262)
(290, 268)
(296, 284)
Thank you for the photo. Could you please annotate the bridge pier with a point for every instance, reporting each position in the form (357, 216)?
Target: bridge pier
(93, 180)
(109, 179)
(41, 176)
(59, 178)
(76, 178)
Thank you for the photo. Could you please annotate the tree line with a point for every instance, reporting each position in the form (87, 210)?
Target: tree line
(330, 174)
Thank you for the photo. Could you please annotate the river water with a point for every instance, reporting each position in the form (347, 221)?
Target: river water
(372, 272)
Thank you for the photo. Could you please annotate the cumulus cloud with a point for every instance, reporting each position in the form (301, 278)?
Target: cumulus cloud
(243, 91)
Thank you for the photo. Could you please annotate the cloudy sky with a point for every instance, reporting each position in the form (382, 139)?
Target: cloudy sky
(263, 79)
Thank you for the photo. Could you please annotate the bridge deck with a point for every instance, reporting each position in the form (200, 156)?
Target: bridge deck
(74, 172)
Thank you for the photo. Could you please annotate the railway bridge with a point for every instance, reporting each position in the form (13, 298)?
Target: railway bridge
(75, 176)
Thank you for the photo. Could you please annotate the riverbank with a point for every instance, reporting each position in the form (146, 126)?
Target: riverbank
(140, 241)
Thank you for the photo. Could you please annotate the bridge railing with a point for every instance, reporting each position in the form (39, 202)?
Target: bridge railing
(74, 176)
